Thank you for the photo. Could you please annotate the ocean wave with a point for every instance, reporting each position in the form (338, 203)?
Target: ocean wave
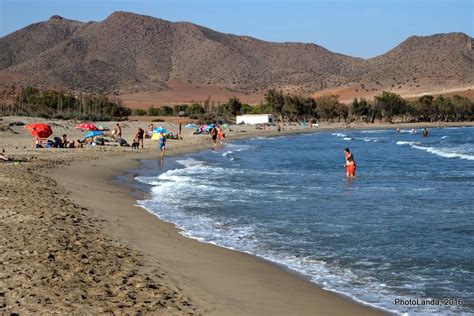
(401, 142)
(238, 147)
(444, 152)
(375, 131)
(216, 202)
(245, 238)
(371, 139)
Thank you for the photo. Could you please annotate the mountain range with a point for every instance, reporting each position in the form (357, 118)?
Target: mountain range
(131, 53)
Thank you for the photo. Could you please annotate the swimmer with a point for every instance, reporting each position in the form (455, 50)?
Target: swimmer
(350, 163)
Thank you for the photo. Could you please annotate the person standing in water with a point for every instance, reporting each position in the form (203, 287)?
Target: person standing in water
(350, 163)
(162, 144)
(425, 132)
(214, 134)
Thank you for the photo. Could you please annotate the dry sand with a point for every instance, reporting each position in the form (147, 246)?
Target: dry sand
(75, 243)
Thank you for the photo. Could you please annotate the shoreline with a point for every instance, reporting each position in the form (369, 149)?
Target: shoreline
(285, 269)
(217, 280)
(236, 283)
(305, 297)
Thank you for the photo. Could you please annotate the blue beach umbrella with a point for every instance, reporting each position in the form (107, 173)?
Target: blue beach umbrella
(93, 134)
(160, 130)
(208, 128)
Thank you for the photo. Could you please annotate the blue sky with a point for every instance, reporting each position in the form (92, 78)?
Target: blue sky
(364, 28)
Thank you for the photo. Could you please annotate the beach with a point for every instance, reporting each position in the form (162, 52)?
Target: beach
(76, 241)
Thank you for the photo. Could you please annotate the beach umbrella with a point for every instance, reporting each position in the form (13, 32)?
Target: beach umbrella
(155, 136)
(93, 134)
(208, 128)
(39, 130)
(160, 130)
(87, 126)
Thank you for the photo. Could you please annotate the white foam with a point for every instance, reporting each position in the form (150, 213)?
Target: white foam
(400, 142)
(347, 138)
(444, 152)
(339, 134)
(238, 147)
(148, 180)
(441, 152)
(371, 139)
(190, 162)
(375, 131)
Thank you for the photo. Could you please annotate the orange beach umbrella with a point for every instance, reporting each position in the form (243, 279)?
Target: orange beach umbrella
(39, 130)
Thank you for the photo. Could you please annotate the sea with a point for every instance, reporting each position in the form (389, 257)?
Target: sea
(399, 236)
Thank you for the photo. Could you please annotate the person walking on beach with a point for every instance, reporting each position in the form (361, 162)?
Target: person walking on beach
(350, 163)
(220, 135)
(214, 134)
(139, 137)
(117, 132)
(162, 144)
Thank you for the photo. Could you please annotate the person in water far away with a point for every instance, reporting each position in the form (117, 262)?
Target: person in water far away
(350, 163)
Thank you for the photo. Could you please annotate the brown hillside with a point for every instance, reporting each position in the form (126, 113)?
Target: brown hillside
(132, 54)
(438, 60)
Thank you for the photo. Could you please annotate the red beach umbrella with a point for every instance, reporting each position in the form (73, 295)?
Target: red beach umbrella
(87, 126)
(39, 130)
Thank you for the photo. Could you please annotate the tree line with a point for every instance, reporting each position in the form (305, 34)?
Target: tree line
(31, 101)
(385, 107)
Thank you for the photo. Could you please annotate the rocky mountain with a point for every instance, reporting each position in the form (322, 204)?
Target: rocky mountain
(130, 52)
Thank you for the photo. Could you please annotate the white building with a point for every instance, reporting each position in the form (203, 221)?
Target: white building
(254, 119)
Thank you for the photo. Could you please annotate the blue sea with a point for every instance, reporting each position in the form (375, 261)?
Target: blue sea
(403, 228)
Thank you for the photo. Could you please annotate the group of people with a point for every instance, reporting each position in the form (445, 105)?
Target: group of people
(217, 134)
(142, 134)
(425, 131)
(57, 142)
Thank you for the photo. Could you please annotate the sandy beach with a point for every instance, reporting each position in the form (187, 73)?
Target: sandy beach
(76, 243)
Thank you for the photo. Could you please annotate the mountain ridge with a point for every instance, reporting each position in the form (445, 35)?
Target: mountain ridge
(129, 52)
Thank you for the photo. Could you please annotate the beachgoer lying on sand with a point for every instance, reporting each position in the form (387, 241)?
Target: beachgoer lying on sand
(3, 157)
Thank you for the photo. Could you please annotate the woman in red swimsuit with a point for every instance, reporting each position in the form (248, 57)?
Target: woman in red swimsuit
(350, 163)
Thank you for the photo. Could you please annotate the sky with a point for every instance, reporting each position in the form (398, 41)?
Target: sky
(361, 28)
